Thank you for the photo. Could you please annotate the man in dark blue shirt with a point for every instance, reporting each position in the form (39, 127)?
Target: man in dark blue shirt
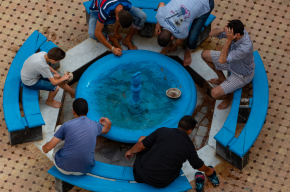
(125, 14)
(74, 142)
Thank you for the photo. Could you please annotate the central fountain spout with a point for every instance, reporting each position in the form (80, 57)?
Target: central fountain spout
(136, 87)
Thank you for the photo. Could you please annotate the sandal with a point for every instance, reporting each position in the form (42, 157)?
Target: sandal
(213, 178)
(199, 181)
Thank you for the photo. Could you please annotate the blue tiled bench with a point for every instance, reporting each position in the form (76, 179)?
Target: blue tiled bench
(150, 8)
(236, 150)
(27, 128)
(106, 177)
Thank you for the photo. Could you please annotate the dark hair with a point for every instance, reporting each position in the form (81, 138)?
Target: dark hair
(56, 54)
(237, 26)
(187, 123)
(125, 18)
(164, 38)
(80, 106)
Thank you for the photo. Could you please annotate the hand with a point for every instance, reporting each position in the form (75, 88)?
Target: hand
(157, 29)
(118, 36)
(104, 121)
(230, 34)
(56, 76)
(128, 154)
(66, 77)
(224, 28)
(209, 172)
(117, 51)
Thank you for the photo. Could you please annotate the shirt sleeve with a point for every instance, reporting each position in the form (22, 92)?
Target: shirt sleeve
(150, 139)
(102, 16)
(193, 159)
(45, 72)
(60, 132)
(99, 128)
(222, 35)
(236, 55)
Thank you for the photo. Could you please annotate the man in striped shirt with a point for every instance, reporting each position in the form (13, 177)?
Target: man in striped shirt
(125, 14)
(236, 56)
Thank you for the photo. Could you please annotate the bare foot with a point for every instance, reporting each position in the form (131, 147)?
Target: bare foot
(187, 58)
(54, 103)
(216, 81)
(164, 50)
(118, 36)
(115, 42)
(224, 104)
(129, 44)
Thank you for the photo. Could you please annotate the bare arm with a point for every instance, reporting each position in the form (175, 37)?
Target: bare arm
(107, 125)
(225, 50)
(50, 145)
(99, 35)
(116, 29)
(216, 32)
(135, 149)
(60, 80)
(158, 26)
(176, 44)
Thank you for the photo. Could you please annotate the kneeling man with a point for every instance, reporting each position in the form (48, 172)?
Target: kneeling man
(125, 14)
(179, 17)
(236, 57)
(161, 154)
(75, 141)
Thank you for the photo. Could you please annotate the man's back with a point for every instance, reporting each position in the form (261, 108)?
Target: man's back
(80, 136)
(167, 150)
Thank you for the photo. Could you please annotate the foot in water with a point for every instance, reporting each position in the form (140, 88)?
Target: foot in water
(216, 81)
(187, 58)
(224, 104)
(54, 103)
(199, 181)
(129, 44)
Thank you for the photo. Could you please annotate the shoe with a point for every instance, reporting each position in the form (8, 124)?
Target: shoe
(213, 178)
(199, 180)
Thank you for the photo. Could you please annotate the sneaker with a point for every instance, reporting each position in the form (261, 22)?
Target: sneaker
(213, 178)
(199, 180)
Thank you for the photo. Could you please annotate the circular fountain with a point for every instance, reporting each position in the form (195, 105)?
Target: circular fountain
(131, 91)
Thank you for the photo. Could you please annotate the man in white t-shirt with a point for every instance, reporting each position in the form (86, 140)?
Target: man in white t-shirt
(181, 19)
(38, 75)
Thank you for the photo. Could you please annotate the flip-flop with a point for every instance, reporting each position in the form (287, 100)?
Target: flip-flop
(199, 181)
(213, 178)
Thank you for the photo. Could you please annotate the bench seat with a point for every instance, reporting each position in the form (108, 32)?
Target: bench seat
(106, 177)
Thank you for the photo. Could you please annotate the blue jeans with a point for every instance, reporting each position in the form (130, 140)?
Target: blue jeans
(43, 84)
(196, 28)
(139, 18)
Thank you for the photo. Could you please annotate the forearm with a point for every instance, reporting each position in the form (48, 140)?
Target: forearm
(161, 4)
(216, 32)
(103, 40)
(45, 149)
(117, 26)
(224, 52)
(107, 128)
(137, 147)
(52, 70)
(56, 81)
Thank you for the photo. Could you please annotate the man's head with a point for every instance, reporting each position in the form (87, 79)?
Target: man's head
(80, 107)
(237, 26)
(164, 37)
(55, 55)
(187, 124)
(125, 18)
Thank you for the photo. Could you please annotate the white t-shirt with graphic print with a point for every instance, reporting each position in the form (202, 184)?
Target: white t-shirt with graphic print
(178, 15)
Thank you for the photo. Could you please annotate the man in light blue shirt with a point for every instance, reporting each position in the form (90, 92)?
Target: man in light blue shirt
(74, 142)
(236, 57)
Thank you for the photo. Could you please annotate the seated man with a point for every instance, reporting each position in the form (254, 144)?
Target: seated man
(38, 75)
(175, 18)
(75, 141)
(161, 154)
(236, 56)
(125, 14)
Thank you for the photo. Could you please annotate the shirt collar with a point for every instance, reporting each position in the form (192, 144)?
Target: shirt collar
(240, 40)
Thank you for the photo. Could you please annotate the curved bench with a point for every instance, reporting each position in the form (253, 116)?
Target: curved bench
(150, 8)
(106, 177)
(27, 128)
(236, 150)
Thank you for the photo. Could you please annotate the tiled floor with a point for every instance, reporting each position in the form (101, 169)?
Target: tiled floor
(23, 167)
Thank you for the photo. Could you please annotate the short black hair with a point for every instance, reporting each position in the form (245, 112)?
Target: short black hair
(80, 106)
(187, 123)
(164, 37)
(56, 54)
(125, 18)
(237, 26)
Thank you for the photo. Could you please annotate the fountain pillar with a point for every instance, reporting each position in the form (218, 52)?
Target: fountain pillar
(136, 87)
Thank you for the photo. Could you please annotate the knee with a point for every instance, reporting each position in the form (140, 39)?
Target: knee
(205, 54)
(143, 16)
(57, 88)
(92, 34)
(215, 93)
(141, 138)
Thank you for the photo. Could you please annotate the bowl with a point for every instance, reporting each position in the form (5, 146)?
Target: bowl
(173, 93)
